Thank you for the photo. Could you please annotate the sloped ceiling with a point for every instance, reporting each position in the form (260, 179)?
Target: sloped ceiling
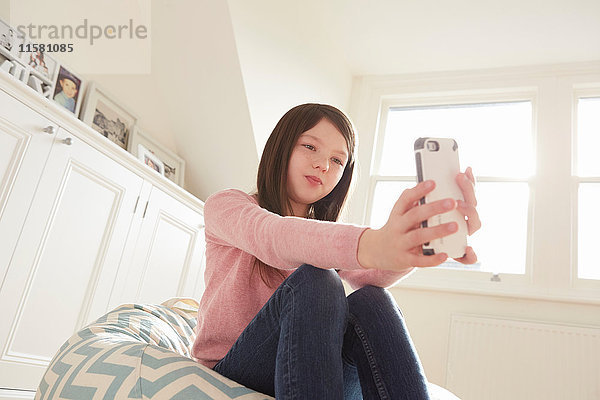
(393, 37)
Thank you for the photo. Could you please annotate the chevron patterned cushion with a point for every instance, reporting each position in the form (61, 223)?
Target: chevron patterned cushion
(142, 351)
(137, 351)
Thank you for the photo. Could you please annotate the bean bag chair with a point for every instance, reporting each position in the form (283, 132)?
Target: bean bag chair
(142, 351)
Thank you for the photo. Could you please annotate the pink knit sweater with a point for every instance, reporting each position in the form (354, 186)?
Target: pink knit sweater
(238, 230)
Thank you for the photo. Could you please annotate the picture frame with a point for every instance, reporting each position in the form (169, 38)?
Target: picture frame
(9, 52)
(109, 118)
(40, 63)
(39, 84)
(174, 166)
(9, 41)
(150, 160)
(68, 88)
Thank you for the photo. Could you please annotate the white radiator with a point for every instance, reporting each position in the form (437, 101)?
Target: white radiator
(491, 358)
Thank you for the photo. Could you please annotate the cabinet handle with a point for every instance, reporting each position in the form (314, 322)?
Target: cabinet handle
(49, 129)
(68, 141)
(136, 203)
(145, 209)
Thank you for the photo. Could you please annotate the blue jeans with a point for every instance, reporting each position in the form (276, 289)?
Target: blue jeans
(311, 342)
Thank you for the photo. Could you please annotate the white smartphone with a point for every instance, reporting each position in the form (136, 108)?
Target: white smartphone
(437, 160)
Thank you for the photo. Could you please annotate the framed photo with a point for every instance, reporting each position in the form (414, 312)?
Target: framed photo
(42, 65)
(107, 117)
(174, 165)
(149, 159)
(67, 89)
(9, 41)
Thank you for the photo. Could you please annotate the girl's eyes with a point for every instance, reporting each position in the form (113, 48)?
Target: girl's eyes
(335, 160)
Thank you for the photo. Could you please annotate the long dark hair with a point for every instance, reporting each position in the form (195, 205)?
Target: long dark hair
(273, 167)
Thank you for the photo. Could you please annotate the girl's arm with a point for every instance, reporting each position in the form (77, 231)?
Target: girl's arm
(373, 277)
(234, 219)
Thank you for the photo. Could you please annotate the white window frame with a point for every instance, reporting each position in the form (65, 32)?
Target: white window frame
(552, 91)
(459, 276)
(580, 91)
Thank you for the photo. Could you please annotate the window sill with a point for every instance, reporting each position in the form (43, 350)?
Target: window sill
(481, 284)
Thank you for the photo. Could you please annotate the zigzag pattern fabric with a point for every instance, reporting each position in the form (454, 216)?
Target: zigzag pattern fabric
(136, 351)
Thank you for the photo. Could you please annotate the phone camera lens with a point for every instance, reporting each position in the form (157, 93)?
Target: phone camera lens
(432, 145)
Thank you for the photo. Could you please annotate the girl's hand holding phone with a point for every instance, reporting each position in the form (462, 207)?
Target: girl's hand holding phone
(397, 245)
(466, 182)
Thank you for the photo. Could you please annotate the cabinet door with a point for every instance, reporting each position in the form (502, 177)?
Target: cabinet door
(167, 259)
(24, 148)
(63, 268)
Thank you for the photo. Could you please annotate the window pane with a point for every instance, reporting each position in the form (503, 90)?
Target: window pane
(385, 196)
(588, 264)
(588, 137)
(495, 139)
(501, 242)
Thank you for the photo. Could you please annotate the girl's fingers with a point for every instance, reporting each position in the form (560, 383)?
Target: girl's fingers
(469, 258)
(469, 173)
(409, 197)
(467, 210)
(419, 236)
(416, 215)
(421, 261)
(467, 186)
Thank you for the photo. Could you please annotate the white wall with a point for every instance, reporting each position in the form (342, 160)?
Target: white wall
(201, 85)
(287, 58)
(4, 9)
(397, 37)
(139, 94)
(428, 314)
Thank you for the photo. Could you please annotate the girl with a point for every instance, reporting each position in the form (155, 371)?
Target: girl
(274, 316)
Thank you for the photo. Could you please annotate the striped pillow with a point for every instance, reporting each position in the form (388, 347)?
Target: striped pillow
(137, 351)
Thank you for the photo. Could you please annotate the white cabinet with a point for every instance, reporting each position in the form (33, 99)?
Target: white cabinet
(62, 269)
(24, 148)
(83, 229)
(165, 258)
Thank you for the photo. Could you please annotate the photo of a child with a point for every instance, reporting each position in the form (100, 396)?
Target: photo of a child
(66, 89)
(41, 63)
(150, 159)
(149, 162)
(37, 62)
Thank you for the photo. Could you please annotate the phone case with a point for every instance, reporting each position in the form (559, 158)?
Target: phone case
(437, 159)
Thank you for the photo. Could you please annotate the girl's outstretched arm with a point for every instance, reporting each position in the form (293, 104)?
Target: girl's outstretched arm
(233, 219)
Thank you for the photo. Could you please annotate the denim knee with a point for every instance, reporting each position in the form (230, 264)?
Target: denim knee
(322, 284)
(321, 279)
(368, 297)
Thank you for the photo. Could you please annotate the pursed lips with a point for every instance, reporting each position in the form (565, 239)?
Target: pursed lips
(314, 179)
